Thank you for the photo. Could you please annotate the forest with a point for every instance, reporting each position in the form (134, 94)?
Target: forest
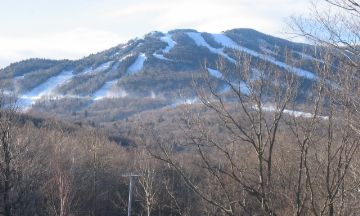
(248, 152)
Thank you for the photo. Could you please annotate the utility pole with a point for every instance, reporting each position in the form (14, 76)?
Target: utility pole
(131, 177)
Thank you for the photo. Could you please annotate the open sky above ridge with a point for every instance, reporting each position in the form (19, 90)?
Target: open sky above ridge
(71, 29)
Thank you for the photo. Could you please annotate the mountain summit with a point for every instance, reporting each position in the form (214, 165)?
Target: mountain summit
(152, 72)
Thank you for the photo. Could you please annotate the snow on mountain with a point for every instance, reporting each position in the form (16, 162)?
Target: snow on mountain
(238, 86)
(104, 91)
(162, 57)
(126, 56)
(49, 86)
(107, 91)
(186, 101)
(296, 114)
(137, 65)
(45, 89)
(200, 41)
(268, 51)
(19, 77)
(167, 38)
(100, 68)
(215, 73)
(242, 86)
(166, 78)
(307, 57)
(228, 42)
(171, 43)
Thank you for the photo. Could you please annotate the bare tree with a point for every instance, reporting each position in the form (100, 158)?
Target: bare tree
(249, 127)
(146, 166)
(7, 121)
(59, 187)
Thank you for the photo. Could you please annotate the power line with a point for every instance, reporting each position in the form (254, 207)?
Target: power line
(131, 177)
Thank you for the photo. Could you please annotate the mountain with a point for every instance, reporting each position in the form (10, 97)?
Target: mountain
(147, 73)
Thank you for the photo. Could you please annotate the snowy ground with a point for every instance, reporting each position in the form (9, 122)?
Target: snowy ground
(268, 51)
(225, 41)
(137, 65)
(200, 41)
(215, 73)
(187, 101)
(171, 44)
(307, 57)
(228, 42)
(162, 57)
(105, 92)
(296, 114)
(100, 68)
(126, 56)
(240, 86)
(45, 89)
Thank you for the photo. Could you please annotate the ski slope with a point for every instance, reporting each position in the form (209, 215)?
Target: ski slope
(137, 65)
(100, 68)
(215, 73)
(225, 41)
(200, 41)
(45, 89)
(103, 92)
(161, 57)
(171, 43)
(294, 113)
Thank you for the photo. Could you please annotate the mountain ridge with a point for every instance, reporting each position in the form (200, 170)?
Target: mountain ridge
(158, 68)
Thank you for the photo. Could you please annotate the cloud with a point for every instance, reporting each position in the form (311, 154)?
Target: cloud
(72, 44)
(212, 16)
(101, 26)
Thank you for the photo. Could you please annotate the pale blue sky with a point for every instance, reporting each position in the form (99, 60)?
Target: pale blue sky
(75, 28)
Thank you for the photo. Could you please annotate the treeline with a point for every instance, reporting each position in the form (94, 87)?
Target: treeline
(54, 168)
(252, 155)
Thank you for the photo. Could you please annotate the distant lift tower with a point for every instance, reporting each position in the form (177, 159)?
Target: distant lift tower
(131, 177)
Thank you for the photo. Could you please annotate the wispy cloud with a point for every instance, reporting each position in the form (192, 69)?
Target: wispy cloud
(211, 15)
(105, 24)
(71, 44)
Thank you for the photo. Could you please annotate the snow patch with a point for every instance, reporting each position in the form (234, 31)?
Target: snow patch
(215, 73)
(115, 54)
(100, 68)
(162, 57)
(48, 86)
(268, 51)
(171, 43)
(187, 101)
(200, 41)
(19, 77)
(228, 42)
(241, 87)
(296, 114)
(153, 95)
(137, 65)
(105, 92)
(45, 89)
(126, 56)
(304, 56)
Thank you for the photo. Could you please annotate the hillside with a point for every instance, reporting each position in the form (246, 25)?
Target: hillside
(156, 71)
